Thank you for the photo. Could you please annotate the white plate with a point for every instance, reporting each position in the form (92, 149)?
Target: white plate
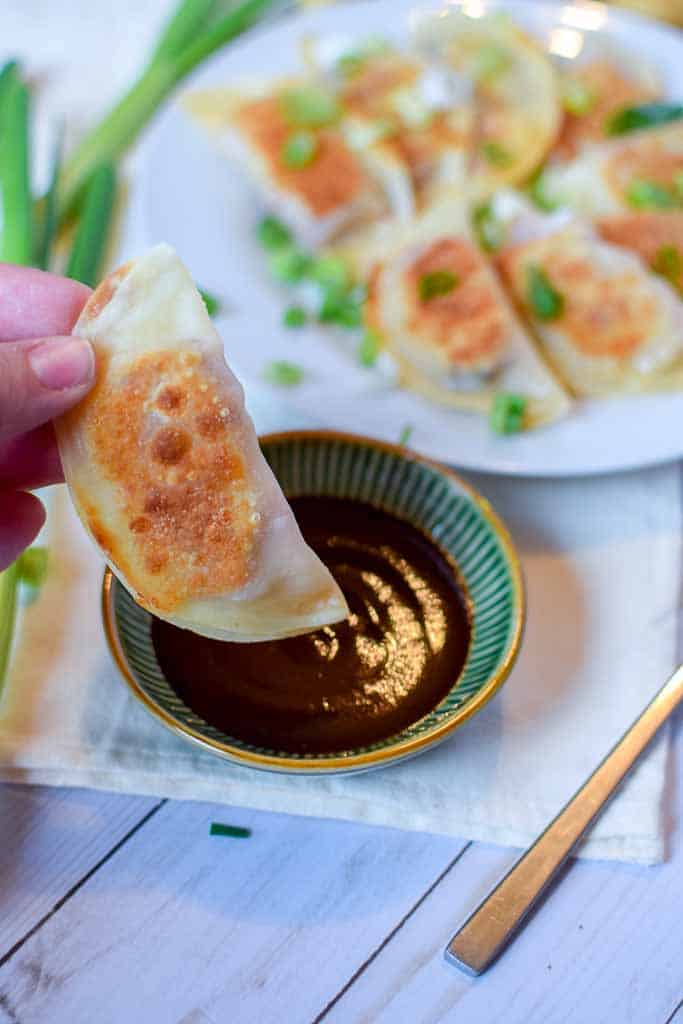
(192, 199)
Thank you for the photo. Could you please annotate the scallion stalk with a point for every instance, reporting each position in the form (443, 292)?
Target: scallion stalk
(93, 226)
(47, 226)
(17, 233)
(9, 581)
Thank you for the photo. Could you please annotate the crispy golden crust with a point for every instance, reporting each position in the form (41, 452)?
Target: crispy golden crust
(169, 451)
(331, 180)
(467, 323)
(604, 315)
(610, 91)
(648, 234)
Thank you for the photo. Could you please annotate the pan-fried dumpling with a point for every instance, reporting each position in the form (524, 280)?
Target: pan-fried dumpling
(517, 113)
(165, 470)
(606, 322)
(435, 303)
(636, 172)
(288, 139)
(656, 235)
(593, 91)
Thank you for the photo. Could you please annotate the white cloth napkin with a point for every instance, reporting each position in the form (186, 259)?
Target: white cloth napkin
(602, 562)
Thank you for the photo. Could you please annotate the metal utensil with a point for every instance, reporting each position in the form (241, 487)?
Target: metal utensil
(495, 922)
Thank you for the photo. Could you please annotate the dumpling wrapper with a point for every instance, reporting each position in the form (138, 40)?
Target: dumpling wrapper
(337, 190)
(602, 178)
(655, 235)
(463, 347)
(620, 327)
(164, 468)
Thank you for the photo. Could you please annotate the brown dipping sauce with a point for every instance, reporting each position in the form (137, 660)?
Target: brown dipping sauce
(390, 663)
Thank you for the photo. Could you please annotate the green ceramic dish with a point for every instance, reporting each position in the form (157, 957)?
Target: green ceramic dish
(425, 494)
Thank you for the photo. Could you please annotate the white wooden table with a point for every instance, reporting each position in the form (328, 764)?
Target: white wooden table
(119, 909)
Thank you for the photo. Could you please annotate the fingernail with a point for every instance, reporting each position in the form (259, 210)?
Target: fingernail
(62, 363)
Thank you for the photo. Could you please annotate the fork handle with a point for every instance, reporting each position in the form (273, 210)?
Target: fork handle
(495, 922)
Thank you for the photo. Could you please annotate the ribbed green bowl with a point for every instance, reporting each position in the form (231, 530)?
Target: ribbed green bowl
(420, 492)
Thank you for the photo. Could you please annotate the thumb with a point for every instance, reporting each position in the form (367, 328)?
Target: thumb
(40, 380)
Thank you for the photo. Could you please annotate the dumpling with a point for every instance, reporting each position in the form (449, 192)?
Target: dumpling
(517, 113)
(606, 323)
(166, 473)
(593, 91)
(287, 137)
(655, 235)
(635, 172)
(435, 303)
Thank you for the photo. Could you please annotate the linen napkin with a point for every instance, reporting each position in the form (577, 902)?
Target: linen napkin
(602, 563)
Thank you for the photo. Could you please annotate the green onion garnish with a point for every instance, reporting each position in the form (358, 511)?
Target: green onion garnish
(290, 263)
(299, 150)
(32, 566)
(507, 413)
(495, 154)
(577, 97)
(650, 195)
(368, 348)
(294, 316)
(537, 190)
(542, 297)
(490, 231)
(406, 434)
(331, 272)
(310, 107)
(93, 226)
(341, 308)
(234, 831)
(283, 374)
(350, 64)
(669, 263)
(272, 233)
(16, 241)
(490, 61)
(645, 115)
(436, 283)
(48, 208)
(210, 301)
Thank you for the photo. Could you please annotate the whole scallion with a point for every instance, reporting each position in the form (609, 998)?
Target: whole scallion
(47, 225)
(16, 242)
(93, 226)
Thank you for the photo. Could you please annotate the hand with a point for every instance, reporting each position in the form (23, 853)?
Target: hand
(43, 372)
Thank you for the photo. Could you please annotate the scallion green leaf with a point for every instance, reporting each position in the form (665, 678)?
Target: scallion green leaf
(299, 150)
(294, 316)
(272, 233)
(48, 208)
(283, 374)
(645, 115)
(289, 263)
(669, 264)
(9, 580)
(577, 97)
(233, 831)
(490, 61)
(32, 565)
(406, 434)
(368, 348)
(507, 413)
(436, 283)
(331, 272)
(537, 190)
(310, 107)
(93, 226)
(341, 308)
(16, 241)
(212, 304)
(650, 195)
(496, 154)
(542, 297)
(490, 231)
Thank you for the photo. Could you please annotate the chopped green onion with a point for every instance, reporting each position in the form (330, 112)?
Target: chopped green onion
(48, 208)
(368, 348)
(166, 68)
(646, 115)
(678, 184)
(16, 245)
(283, 374)
(234, 831)
(310, 107)
(669, 263)
(436, 283)
(272, 233)
(93, 226)
(545, 301)
(299, 150)
(341, 308)
(32, 565)
(495, 154)
(331, 272)
(577, 97)
(537, 190)
(406, 434)
(210, 301)
(350, 64)
(489, 229)
(650, 195)
(294, 316)
(507, 413)
(490, 62)
(290, 263)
